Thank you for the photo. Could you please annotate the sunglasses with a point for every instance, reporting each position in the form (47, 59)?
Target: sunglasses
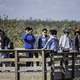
(45, 32)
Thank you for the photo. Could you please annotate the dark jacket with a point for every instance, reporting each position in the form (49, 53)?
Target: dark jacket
(77, 43)
(42, 41)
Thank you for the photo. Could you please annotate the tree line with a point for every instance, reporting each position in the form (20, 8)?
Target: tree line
(15, 28)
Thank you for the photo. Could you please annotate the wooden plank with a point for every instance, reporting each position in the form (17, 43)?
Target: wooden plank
(52, 67)
(7, 60)
(44, 74)
(30, 59)
(17, 75)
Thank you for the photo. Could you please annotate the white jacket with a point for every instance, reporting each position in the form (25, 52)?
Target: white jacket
(65, 42)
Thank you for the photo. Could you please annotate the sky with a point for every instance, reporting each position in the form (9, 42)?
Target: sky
(41, 9)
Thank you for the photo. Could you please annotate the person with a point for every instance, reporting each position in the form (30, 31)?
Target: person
(4, 42)
(43, 39)
(29, 38)
(76, 40)
(29, 41)
(53, 42)
(65, 43)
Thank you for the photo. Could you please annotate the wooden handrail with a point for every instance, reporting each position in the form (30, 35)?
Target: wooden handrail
(57, 56)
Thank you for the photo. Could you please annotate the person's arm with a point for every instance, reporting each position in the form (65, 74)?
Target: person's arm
(60, 42)
(35, 42)
(34, 39)
(47, 43)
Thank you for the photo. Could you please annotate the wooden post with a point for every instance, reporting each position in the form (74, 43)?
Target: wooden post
(62, 63)
(52, 66)
(44, 71)
(34, 62)
(17, 75)
(73, 66)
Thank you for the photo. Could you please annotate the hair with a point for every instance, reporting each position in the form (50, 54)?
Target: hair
(44, 29)
(53, 32)
(77, 32)
(28, 28)
(31, 28)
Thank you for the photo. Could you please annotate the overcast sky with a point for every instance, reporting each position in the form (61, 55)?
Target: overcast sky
(43, 9)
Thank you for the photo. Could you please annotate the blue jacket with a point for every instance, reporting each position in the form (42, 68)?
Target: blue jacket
(52, 43)
(29, 41)
(42, 41)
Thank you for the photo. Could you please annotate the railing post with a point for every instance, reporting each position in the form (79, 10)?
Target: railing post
(62, 63)
(73, 65)
(17, 75)
(52, 66)
(44, 71)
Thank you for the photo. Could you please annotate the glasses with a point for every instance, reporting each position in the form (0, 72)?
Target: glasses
(45, 32)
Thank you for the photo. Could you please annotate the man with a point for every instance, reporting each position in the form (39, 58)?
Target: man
(29, 41)
(65, 43)
(77, 40)
(29, 38)
(4, 44)
(43, 39)
(53, 42)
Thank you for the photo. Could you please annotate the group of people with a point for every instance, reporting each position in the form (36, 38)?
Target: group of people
(47, 40)
(51, 41)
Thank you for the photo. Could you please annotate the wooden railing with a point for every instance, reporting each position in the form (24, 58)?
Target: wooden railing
(55, 60)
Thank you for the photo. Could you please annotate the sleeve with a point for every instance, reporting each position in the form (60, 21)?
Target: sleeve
(34, 39)
(6, 41)
(39, 42)
(47, 43)
(60, 41)
(25, 38)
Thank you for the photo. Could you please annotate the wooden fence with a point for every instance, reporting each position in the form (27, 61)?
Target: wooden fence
(56, 61)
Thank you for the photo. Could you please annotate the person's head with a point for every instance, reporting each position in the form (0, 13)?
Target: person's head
(31, 30)
(44, 31)
(66, 31)
(28, 30)
(53, 32)
(77, 32)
